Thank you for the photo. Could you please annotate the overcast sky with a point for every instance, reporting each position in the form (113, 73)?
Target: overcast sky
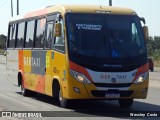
(149, 9)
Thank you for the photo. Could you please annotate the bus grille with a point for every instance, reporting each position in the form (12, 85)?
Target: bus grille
(101, 93)
(118, 85)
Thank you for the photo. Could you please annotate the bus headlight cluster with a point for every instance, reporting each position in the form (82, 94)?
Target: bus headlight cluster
(141, 78)
(80, 77)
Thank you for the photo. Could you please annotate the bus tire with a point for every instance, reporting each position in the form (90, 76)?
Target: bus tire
(57, 95)
(152, 69)
(63, 102)
(24, 91)
(125, 103)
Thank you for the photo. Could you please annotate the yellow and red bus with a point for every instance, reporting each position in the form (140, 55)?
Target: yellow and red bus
(79, 52)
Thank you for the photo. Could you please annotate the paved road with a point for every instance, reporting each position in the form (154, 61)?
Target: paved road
(155, 78)
(12, 100)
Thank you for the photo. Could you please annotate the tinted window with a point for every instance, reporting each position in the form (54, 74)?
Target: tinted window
(30, 34)
(49, 34)
(40, 33)
(106, 42)
(20, 36)
(59, 41)
(106, 36)
(12, 35)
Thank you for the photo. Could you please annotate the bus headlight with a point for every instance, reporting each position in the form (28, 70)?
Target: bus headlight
(141, 78)
(80, 77)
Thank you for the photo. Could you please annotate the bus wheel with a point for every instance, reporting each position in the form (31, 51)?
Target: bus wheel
(125, 103)
(23, 90)
(63, 102)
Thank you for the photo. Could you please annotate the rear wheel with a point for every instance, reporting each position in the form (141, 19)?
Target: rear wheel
(24, 91)
(125, 103)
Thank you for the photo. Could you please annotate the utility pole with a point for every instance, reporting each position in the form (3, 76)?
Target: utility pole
(11, 8)
(17, 7)
(110, 2)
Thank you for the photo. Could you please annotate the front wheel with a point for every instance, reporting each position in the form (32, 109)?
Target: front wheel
(63, 102)
(125, 103)
(152, 69)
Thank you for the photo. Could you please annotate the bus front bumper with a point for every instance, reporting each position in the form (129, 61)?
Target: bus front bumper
(90, 91)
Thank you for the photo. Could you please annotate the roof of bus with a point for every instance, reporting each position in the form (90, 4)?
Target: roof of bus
(94, 8)
(78, 9)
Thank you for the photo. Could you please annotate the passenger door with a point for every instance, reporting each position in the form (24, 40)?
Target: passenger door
(49, 56)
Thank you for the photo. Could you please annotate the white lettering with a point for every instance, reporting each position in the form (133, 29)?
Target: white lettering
(31, 61)
(34, 62)
(34, 115)
(24, 61)
(14, 114)
(24, 115)
(121, 76)
(152, 114)
(137, 115)
(132, 114)
(89, 27)
(39, 62)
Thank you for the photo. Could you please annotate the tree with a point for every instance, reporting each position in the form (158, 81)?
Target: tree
(3, 40)
(153, 47)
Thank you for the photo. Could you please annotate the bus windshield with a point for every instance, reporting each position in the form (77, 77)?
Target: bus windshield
(106, 37)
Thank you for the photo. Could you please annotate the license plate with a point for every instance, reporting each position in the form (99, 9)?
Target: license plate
(112, 95)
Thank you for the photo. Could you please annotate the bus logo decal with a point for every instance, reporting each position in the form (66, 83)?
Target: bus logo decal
(114, 53)
(121, 76)
(113, 80)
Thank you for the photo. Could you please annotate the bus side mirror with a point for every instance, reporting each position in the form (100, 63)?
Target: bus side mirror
(57, 30)
(143, 20)
(146, 33)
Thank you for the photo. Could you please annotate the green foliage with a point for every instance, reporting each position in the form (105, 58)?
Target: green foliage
(3, 39)
(153, 47)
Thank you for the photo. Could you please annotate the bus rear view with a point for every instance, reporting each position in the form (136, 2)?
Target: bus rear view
(107, 53)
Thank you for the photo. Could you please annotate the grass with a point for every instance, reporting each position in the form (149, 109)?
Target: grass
(2, 51)
(156, 63)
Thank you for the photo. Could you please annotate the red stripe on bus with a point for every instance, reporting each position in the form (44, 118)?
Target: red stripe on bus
(73, 66)
(85, 72)
(80, 69)
(140, 71)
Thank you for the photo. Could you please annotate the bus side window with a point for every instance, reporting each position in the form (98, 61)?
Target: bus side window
(49, 36)
(40, 33)
(20, 36)
(30, 34)
(59, 43)
(12, 35)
